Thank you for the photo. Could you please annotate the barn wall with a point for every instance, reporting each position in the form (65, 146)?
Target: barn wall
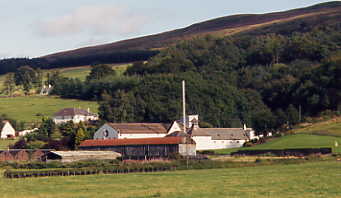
(139, 135)
(206, 143)
(100, 133)
(187, 149)
(6, 130)
(144, 151)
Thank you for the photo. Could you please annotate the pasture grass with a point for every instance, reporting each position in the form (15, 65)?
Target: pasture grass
(32, 108)
(75, 72)
(311, 179)
(331, 127)
(293, 141)
(83, 71)
(4, 143)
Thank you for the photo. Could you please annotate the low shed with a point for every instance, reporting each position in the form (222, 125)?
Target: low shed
(144, 148)
(72, 156)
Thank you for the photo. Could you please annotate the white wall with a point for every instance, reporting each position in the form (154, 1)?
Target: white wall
(7, 130)
(75, 119)
(106, 132)
(206, 143)
(140, 135)
(175, 127)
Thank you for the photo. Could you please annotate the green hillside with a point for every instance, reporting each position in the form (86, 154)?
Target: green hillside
(331, 127)
(293, 141)
(312, 179)
(32, 108)
(75, 72)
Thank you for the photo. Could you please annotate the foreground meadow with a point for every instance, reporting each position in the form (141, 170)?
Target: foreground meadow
(313, 179)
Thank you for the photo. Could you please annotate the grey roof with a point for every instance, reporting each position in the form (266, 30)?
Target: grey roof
(221, 133)
(133, 128)
(73, 112)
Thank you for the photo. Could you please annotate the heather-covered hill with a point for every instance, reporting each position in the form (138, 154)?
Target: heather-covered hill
(142, 48)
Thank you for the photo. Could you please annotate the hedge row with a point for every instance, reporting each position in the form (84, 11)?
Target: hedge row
(81, 171)
(132, 167)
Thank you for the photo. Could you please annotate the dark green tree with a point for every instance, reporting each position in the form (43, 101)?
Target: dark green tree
(99, 72)
(9, 84)
(293, 116)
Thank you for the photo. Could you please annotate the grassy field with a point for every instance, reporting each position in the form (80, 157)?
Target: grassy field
(31, 108)
(76, 72)
(331, 127)
(293, 141)
(82, 72)
(315, 179)
(5, 143)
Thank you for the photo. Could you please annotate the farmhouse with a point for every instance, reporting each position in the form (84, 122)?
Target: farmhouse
(144, 148)
(130, 130)
(212, 138)
(75, 115)
(6, 130)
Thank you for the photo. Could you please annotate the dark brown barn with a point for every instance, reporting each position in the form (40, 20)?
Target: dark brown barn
(6, 156)
(144, 148)
(23, 155)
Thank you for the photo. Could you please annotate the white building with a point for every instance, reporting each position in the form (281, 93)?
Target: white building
(212, 138)
(75, 115)
(6, 130)
(130, 130)
(25, 132)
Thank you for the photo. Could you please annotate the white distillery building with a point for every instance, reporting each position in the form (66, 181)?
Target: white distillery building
(130, 130)
(75, 115)
(212, 138)
(6, 130)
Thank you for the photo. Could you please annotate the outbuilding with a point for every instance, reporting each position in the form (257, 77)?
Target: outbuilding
(130, 130)
(144, 148)
(6, 130)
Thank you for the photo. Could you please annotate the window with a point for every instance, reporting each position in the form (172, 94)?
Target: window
(106, 133)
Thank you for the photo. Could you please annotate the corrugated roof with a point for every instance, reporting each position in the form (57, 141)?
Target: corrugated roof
(221, 133)
(125, 128)
(73, 112)
(135, 141)
(84, 153)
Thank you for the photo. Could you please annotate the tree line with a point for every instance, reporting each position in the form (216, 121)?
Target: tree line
(9, 65)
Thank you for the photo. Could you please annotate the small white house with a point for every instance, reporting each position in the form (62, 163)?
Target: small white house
(74, 115)
(130, 130)
(6, 130)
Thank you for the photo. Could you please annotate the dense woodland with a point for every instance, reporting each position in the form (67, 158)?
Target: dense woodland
(269, 79)
(263, 80)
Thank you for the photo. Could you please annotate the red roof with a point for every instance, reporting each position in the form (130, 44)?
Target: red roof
(135, 141)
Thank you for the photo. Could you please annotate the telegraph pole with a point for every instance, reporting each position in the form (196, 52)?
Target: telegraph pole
(184, 106)
(184, 118)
